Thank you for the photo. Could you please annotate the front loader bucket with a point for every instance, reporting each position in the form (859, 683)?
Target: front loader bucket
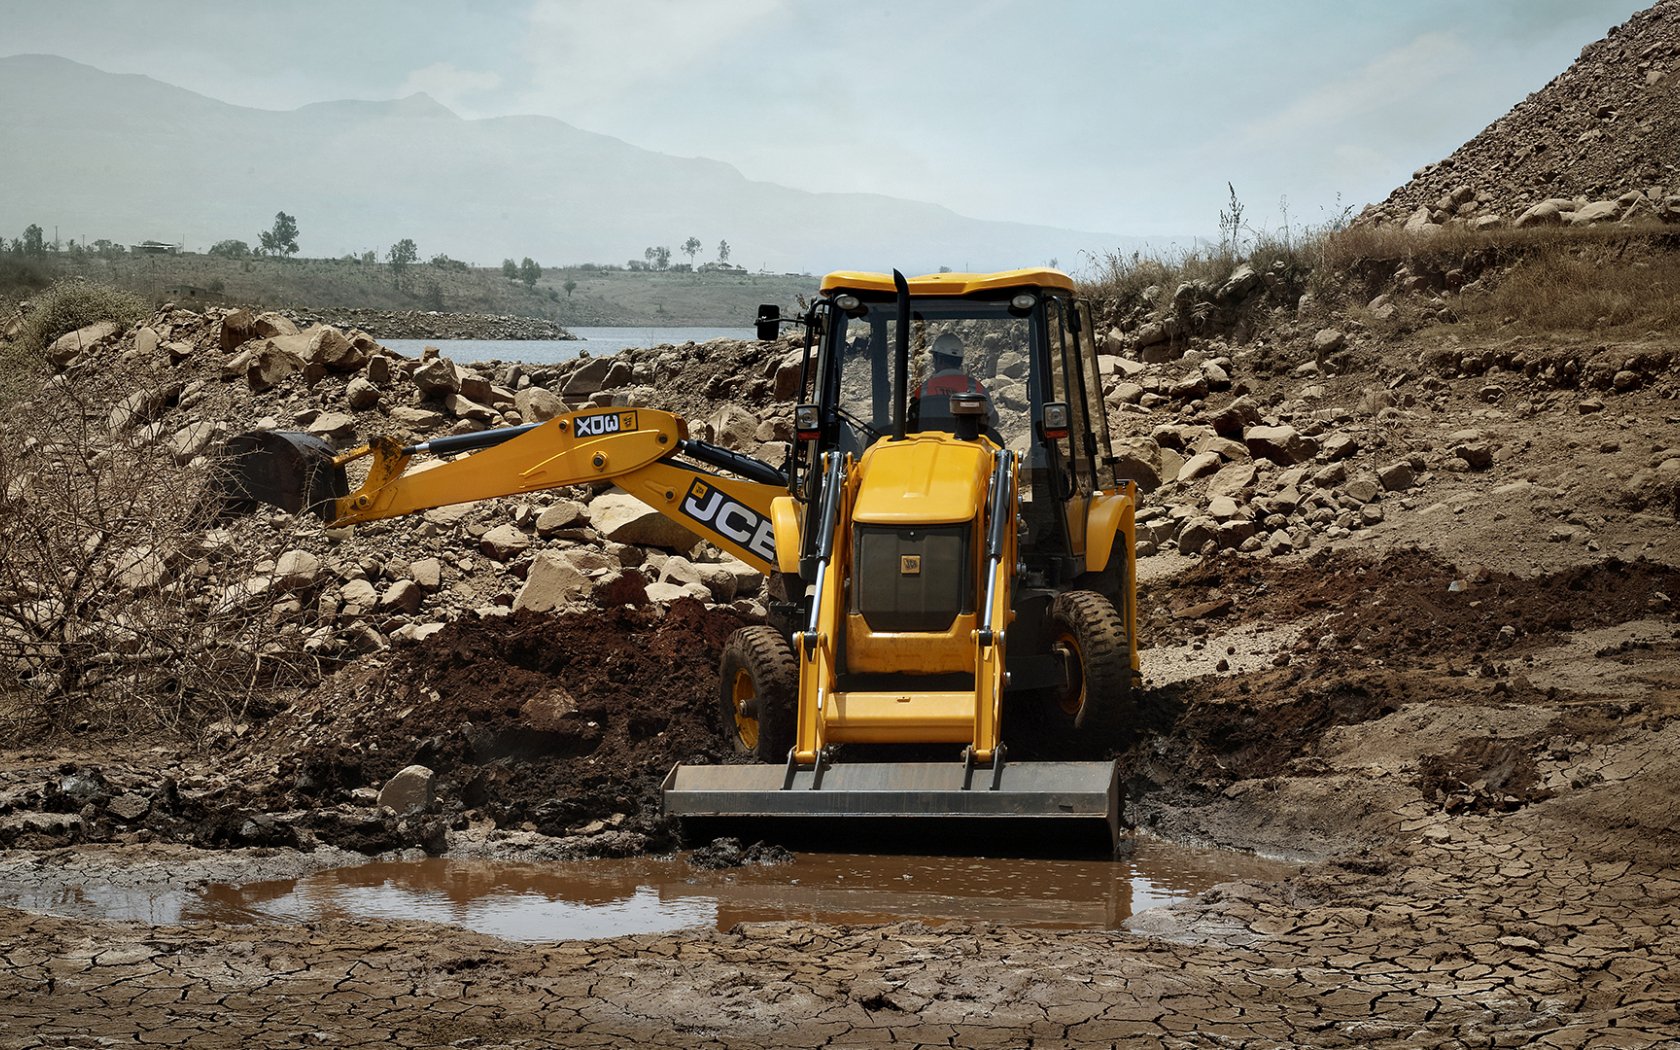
(284, 469)
(1030, 806)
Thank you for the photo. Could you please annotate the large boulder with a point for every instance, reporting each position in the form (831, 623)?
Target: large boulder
(1283, 445)
(536, 404)
(588, 379)
(235, 329)
(269, 365)
(297, 570)
(271, 324)
(437, 378)
(504, 542)
(1595, 213)
(623, 518)
(553, 582)
(413, 788)
(68, 347)
(335, 351)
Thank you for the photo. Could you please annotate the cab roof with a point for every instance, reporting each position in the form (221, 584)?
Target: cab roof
(948, 283)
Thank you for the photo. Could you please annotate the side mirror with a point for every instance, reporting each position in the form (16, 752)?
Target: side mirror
(769, 322)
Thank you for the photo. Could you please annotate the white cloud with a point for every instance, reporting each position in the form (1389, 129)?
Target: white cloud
(451, 85)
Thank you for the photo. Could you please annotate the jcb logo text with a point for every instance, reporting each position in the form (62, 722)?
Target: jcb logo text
(721, 513)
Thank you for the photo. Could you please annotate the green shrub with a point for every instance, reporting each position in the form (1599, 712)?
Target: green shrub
(71, 304)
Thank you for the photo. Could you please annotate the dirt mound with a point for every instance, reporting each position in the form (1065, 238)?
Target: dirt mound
(1604, 127)
(562, 725)
(1406, 603)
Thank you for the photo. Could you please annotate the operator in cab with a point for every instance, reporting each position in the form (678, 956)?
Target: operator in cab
(930, 408)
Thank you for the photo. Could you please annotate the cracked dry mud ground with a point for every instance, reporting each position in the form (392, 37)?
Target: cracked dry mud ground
(1553, 927)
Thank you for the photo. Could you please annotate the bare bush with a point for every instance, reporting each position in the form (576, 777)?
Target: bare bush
(119, 607)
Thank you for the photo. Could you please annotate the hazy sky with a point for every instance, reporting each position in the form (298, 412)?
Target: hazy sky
(1127, 117)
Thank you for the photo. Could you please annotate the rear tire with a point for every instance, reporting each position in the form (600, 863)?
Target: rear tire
(758, 693)
(1096, 703)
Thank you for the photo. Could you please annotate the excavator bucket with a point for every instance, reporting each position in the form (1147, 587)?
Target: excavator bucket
(1071, 806)
(292, 471)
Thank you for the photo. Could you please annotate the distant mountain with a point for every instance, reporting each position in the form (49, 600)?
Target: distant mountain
(128, 157)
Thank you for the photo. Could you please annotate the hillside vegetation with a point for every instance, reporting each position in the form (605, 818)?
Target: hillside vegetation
(598, 297)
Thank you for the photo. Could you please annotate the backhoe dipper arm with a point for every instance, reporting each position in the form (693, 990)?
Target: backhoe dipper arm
(630, 447)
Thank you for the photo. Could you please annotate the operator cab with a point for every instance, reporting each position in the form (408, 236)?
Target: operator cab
(1025, 378)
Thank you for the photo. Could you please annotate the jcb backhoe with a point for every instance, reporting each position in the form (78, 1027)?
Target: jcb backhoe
(951, 558)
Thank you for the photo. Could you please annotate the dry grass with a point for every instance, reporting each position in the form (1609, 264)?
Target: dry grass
(1289, 249)
(1604, 279)
(1581, 290)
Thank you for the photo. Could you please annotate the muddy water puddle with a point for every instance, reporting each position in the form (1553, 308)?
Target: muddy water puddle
(604, 898)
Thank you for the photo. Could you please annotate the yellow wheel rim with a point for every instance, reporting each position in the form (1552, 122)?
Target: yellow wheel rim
(741, 697)
(1074, 698)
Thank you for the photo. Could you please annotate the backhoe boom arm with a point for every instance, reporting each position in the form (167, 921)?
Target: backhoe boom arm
(630, 447)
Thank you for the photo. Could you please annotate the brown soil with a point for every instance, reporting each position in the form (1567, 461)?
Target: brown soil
(539, 722)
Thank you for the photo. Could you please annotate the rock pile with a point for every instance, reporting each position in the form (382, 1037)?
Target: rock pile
(197, 379)
(1596, 145)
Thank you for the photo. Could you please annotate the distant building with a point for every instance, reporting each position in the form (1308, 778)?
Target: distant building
(154, 248)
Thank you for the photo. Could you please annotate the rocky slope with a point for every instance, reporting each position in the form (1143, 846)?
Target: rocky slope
(1599, 142)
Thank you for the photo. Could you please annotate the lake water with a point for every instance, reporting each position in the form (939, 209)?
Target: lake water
(600, 342)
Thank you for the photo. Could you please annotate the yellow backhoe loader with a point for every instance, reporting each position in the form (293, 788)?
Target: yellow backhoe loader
(951, 558)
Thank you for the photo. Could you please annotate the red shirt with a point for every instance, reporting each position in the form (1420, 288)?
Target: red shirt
(946, 383)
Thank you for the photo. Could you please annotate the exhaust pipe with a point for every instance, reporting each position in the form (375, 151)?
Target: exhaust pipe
(901, 355)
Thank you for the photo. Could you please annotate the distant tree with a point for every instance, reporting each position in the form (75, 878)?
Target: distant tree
(570, 286)
(650, 253)
(529, 271)
(17, 246)
(282, 239)
(230, 249)
(510, 269)
(1054, 264)
(690, 247)
(108, 249)
(661, 257)
(370, 257)
(400, 256)
(33, 240)
(444, 262)
(723, 252)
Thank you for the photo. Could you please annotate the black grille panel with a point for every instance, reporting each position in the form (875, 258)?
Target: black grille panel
(912, 579)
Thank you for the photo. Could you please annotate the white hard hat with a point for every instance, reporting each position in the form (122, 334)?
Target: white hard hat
(948, 345)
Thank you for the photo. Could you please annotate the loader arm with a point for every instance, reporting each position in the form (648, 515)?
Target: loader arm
(631, 448)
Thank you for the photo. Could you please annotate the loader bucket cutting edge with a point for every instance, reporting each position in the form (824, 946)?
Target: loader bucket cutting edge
(284, 469)
(1072, 798)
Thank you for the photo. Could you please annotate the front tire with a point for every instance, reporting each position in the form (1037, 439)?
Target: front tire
(758, 693)
(1096, 702)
